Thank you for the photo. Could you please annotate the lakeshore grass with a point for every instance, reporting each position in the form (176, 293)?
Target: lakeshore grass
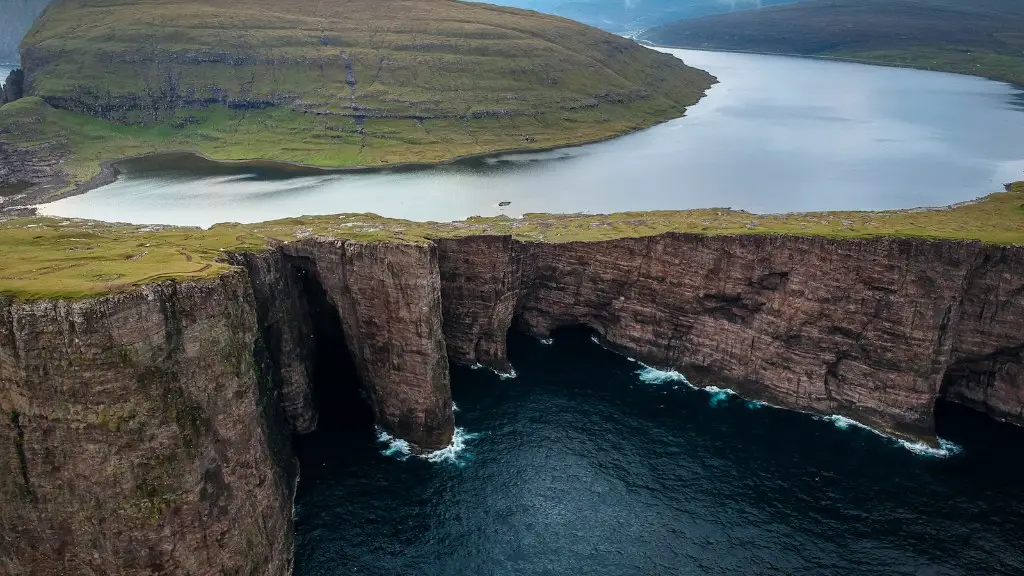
(53, 257)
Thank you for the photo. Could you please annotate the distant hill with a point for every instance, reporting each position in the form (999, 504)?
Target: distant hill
(329, 83)
(632, 16)
(980, 37)
(16, 18)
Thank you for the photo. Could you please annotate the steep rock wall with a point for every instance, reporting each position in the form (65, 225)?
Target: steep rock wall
(861, 328)
(388, 296)
(139, 437)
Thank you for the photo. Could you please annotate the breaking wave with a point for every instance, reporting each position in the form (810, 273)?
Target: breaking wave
(454, 453)
(944, 450)
(718, 395)
(510, 375)
(547, 341)
(654, 376)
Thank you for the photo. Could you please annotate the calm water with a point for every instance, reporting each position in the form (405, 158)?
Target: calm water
(777, 134)
(579, 466)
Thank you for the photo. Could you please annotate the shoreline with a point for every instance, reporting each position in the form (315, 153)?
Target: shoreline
(109, 171)
(826, 57)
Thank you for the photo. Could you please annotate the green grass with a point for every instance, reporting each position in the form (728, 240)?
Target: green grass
(976, 62)
(334, 84)
(51, 257)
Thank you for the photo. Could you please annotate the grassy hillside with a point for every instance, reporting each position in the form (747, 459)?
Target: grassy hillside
(341, 83)
(54, 257)
(979, 37)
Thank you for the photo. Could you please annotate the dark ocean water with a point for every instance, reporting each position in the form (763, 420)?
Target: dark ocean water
(579, 466)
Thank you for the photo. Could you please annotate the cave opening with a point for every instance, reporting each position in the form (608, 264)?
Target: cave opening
(339, 396)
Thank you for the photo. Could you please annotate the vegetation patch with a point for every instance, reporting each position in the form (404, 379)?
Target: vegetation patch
(53, 257)
(980, 37)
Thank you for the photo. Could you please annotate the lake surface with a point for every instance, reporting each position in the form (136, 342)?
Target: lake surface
(588, 464)
(777, 134)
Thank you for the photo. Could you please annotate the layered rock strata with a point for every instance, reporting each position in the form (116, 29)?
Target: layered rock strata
(149, 432)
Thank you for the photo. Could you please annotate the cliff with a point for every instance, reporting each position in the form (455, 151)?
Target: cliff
(148, 432)
(139, 436)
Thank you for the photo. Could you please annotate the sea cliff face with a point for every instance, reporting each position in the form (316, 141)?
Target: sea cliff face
(149, 432)
(139, 436)
(867, 329)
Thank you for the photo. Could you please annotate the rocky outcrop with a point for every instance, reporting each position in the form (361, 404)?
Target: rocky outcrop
(37, 164)
(149, 432)
(13, 87)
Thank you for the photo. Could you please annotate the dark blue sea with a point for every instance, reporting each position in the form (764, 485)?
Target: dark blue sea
(587, 464)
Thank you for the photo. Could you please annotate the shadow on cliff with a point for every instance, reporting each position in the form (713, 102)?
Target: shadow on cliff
(345, 414)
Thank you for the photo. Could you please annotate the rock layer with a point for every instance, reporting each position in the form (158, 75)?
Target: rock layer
(869, 329)
(149, 432)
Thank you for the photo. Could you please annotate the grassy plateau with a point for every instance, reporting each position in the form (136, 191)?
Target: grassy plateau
(52, 257)
(977, 37)
(331, 84)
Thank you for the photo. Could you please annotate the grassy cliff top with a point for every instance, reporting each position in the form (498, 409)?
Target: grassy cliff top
(53, 257)
(334, 84)
(978, 37)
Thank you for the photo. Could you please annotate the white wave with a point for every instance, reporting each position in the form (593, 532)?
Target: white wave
(455, 407)
(718, 395)
(654, 376)
(547, 341)
(397, 448)
(595, 339)
(511, 374)
(944, 450)
(755, 404)
(454, 453)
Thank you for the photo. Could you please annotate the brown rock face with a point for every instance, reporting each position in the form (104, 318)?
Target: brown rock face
(138, 437)
(149, 432)
(388, 296)
(862, 328)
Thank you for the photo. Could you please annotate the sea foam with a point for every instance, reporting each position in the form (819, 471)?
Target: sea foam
(510, 375)
(718, 395)
(654, 376)
(945, 449)
(454, 453)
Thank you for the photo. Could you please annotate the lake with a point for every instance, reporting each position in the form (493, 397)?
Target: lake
(777, 134)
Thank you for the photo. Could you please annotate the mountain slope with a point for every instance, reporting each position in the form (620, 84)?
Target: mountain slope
(982, 37)
(358, 82)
